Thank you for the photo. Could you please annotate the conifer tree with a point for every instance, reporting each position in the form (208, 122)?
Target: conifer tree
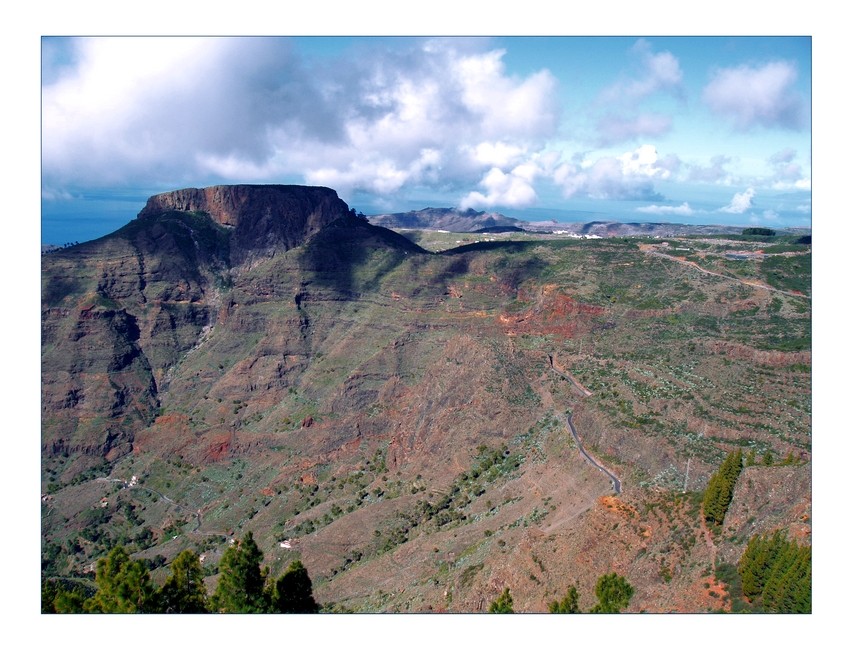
(184, 591)
(241, 580)
(568, 605)
(721, 486)
(124, 586)
(614, 593)
(776, 573)
(293, 592)
(502, 604)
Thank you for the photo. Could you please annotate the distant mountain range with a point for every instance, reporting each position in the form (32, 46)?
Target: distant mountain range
(445, 219)
(455, 220)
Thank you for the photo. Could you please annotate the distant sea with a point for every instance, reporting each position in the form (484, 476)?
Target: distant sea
(88, 216)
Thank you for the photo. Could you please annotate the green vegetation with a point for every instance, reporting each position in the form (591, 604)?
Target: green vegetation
(184, 592)
(341, 371)
(568, 605)
(718, 494)
(776, 573)
(124, 586)
(293, 593)
(502, 604)
(614, 593)
(788, 273)
(762, 232)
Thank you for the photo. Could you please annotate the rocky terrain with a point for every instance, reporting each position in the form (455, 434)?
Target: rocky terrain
(260, 358)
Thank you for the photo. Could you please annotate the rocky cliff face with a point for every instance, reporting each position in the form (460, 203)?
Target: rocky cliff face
(121, 312)
(264, 218)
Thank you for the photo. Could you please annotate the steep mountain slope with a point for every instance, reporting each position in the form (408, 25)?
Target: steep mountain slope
(259, 358)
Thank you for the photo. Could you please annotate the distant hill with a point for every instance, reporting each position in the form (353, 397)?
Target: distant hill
(454, 220)
(444, 219)
(621, 229)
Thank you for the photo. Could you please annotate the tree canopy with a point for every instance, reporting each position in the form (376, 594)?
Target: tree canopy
(777, 573)
(568, 605)
(184, 591)
(293, 592)
(502, 604)
(240, 589)
(124, 586)
(614, 593)
(721, 486)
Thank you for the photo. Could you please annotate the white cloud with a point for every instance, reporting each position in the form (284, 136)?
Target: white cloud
(715, 173)
(787, 173)
(497, 154)
(56, 194)
(740, 203)
(683, 210)
(654, 72)
(197, 110)
(613, 129)
(645, 162)
(757, 96)
(628, 176)
(512, 190)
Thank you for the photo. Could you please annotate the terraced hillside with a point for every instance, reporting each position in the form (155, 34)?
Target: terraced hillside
(396, 419)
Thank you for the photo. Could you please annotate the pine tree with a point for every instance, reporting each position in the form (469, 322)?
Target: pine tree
(614, 593)
(751, 567)
(184, 591)
(721, 486)
(293, 592)
(776, 573)
(124, 586)
(569, 604)
(241, 580)
(502, 604)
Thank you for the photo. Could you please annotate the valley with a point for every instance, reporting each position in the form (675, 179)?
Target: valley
(423, 419)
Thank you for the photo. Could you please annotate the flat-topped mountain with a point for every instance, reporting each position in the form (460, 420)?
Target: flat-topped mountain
(264, 218)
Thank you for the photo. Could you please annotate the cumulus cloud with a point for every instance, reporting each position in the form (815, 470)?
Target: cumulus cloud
(613, 129)
(683, 210)
(193, 110)
(740, 203)
(652, 73)
(757, 96)
(513, 189)
(787, 173)
(715, 173)
(630, 176)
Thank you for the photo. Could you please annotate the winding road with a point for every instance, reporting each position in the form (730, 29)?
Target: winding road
(650, 249)
(617, 484)
(614, 480)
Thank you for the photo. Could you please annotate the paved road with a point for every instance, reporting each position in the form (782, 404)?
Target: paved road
(617, 484)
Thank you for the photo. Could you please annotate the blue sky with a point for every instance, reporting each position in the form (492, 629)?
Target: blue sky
(684, 129)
